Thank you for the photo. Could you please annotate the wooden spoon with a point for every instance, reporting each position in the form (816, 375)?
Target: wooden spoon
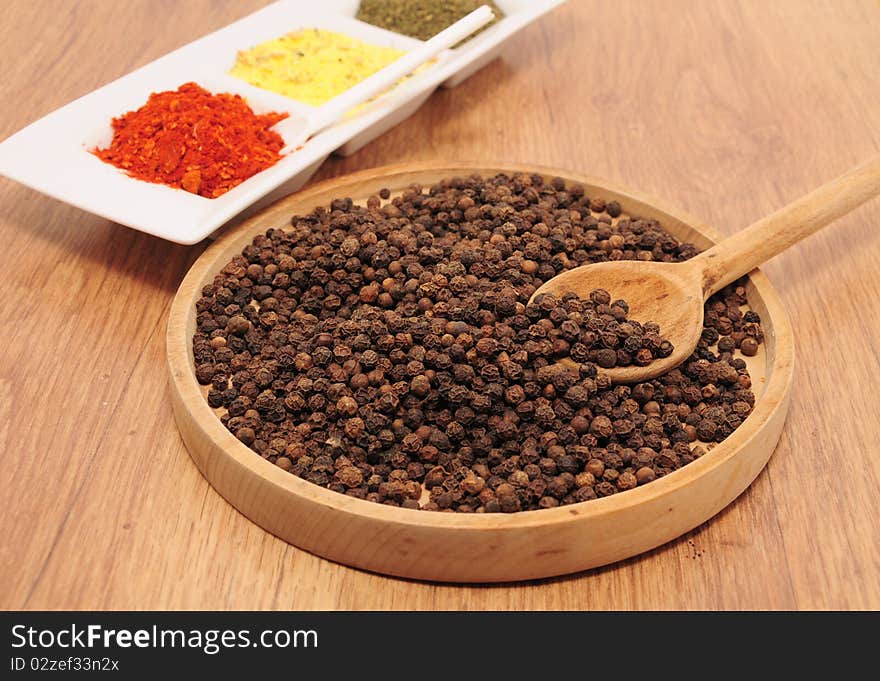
(672, 294)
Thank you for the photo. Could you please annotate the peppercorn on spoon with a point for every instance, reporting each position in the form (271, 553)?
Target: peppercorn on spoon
(334, 110)
(673, 294)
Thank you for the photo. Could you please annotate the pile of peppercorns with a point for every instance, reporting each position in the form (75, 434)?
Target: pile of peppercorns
(389, 351)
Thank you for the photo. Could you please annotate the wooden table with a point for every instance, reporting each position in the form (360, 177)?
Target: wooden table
(726, 109)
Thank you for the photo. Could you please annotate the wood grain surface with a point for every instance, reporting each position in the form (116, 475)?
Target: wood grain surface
(726, 109)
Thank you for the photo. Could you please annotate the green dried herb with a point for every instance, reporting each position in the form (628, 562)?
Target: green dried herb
(420, 19)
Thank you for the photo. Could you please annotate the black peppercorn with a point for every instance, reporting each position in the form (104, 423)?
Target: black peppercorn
(392, 353)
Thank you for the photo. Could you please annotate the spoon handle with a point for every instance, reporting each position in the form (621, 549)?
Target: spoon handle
(757, 243)
(380, 81)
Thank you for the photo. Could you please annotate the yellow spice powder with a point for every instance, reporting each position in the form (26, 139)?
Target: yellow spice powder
(311, 66)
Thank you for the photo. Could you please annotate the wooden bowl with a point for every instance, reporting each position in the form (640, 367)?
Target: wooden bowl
(453, 547)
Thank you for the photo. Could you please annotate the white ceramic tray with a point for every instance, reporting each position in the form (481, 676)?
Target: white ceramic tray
(52, 155)
(464, 62)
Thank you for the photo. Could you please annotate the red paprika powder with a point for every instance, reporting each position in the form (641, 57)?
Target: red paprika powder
(194, 140)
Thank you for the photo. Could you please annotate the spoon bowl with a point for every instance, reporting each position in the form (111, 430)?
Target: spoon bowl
(672, 294)
(669, 294)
